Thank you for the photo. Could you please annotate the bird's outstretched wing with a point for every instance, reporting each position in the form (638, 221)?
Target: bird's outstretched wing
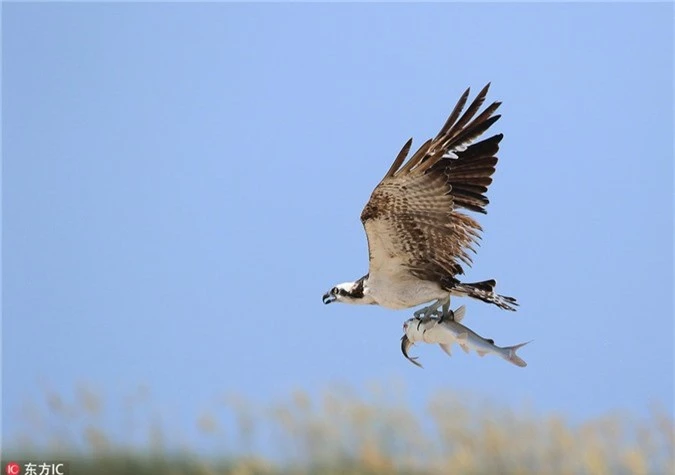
(412, 219)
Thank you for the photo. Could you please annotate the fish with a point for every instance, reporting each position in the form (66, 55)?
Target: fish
(447, 331)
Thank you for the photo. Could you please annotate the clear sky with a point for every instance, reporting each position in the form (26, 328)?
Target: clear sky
(181, 184)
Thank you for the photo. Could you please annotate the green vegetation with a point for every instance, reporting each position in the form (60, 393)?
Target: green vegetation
(339, 432)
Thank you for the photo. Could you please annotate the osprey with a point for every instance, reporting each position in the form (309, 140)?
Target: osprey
(418, 238)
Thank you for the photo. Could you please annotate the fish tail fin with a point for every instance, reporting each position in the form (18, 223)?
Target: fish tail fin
(513, 357)
(485, 291)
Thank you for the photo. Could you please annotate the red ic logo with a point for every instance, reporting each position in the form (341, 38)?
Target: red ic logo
(12, 468)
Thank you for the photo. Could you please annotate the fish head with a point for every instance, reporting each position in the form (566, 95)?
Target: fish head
(413, 330)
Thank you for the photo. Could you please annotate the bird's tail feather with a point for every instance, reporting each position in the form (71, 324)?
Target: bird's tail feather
(485, 291)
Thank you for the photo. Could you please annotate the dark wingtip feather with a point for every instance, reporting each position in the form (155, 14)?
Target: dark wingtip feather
(455, 112)
(417, 157)
(399, 158)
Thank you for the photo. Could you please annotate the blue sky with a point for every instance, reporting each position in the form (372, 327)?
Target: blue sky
(181, 183)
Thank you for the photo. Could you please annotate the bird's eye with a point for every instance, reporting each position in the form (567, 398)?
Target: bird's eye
(334, 290)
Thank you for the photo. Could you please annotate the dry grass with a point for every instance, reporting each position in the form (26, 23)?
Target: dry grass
(340, 432)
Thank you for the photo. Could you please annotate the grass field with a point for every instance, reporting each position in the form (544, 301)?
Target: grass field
(341, 432)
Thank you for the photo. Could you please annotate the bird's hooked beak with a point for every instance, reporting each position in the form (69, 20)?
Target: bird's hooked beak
(328, 298)
(406, 344)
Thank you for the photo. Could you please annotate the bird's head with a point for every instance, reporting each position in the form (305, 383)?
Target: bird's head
(348, 292)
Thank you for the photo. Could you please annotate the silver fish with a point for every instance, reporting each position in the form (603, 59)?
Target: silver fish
(449, 331)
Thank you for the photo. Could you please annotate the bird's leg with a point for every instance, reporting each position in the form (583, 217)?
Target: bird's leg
(432, 310)
(426, 312)
(446, 313)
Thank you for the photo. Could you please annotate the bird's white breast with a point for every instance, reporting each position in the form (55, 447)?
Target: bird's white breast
(389, 283)
(402, 291)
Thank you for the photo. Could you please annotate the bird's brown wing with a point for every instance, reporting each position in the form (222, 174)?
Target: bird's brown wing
(413, 220)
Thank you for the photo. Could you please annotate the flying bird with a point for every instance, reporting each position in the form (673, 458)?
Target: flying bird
(418, 235)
